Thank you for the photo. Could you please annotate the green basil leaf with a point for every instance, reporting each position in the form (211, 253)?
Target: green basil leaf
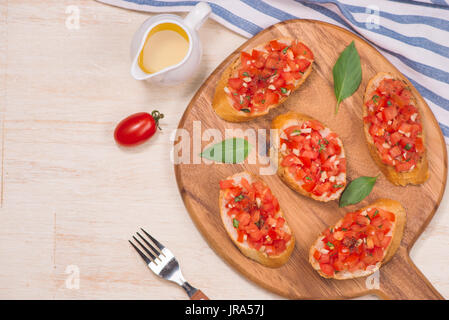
(357, 190)
(235, 223)
(347, 74)
(233, 150)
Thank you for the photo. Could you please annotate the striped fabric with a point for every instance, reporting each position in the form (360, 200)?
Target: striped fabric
(413, 35)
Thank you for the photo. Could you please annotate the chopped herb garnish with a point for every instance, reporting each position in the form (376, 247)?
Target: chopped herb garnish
(375, 213)
(330, 245)
(295, 132)
(389, 102)
(235, 223)
(283, 90)
(235, 94)
(344, 229)
(408, 146)
(245, 110)
(308, 178)
(285, 50)
(375, 98)
(239, 198)
(263, 101)
(246, 74)
(322, 147)
(380, 226)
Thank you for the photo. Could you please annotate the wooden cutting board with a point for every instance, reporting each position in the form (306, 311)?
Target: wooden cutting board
(199, 183)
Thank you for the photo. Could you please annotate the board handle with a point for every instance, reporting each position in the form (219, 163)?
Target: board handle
(409, 282)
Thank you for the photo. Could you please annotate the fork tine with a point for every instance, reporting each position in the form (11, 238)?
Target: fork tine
(157, 243)
(153, 257)
(144, 257)
(149, 244)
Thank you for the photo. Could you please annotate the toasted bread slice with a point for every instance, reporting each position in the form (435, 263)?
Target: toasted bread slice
(279, 151)
(395, 232)
(223, 102)
(417, 175)
(259, 251)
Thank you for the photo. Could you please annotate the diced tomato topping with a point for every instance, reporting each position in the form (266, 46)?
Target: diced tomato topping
(314, 160)
(327, 269)
(300, 49)
(276, 45)
(288, 77)
(235, 83)
(244, 58)
(254, 213)
(395, 126)
(226, 184)
(303, 64)
(266, 75)
(358, 242)
(273, 63)
(390, 113)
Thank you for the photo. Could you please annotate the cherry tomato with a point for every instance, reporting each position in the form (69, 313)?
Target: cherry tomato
(137, 128)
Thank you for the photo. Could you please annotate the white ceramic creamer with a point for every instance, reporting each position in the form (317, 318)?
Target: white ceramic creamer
(166, 49)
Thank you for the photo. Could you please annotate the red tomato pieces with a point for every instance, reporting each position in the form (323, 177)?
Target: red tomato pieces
(266, 76)
(314, 160)
(394, 124)
(254, 212)
(358, 242)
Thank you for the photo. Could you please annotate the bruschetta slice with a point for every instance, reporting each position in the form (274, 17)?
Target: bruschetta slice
(361, 242)
(262, 79)
(394, 131)
(310, 157)
(254, 221)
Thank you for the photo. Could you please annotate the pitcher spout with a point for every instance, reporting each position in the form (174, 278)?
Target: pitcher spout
(137, 72)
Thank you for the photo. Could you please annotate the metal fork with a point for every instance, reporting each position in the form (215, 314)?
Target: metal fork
(164, 264)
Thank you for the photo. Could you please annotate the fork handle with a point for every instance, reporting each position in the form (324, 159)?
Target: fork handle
(199, 295)
(194, 293)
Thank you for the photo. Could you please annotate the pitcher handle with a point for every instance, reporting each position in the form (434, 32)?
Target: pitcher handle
(197, 15)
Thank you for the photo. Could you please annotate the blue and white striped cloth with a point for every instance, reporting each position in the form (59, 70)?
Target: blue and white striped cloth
(413, 35)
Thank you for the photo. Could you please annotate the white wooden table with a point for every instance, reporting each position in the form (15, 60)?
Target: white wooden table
(70, 198)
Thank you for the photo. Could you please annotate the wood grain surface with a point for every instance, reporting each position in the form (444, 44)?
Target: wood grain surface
(399, 279)
(70, 198)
